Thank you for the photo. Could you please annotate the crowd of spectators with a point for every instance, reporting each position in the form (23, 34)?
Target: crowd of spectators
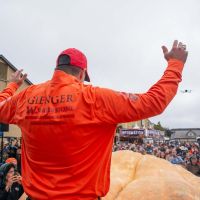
(186, 154)
(12, 149)
(10, 170)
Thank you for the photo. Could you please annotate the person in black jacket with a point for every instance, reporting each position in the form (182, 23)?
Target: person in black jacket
(10, 183)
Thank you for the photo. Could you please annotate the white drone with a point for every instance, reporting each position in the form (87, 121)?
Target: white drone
(186, 91)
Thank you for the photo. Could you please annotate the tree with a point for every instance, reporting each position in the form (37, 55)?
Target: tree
(159, 127)
(168, 132)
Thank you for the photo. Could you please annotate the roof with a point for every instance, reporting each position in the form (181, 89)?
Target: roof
(13, 67)
(185, 133)
(179, 129)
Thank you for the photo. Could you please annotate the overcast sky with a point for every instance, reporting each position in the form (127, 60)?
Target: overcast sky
(122, 40)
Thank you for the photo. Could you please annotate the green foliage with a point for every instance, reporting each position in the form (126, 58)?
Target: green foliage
(159, 127)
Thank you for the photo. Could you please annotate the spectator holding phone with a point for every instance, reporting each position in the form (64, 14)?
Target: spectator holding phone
(10, 180)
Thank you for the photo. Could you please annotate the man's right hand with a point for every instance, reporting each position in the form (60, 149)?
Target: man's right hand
(178, 52)
(18, 77)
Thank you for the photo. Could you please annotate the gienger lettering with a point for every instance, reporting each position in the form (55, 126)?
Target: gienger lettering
(51, 99)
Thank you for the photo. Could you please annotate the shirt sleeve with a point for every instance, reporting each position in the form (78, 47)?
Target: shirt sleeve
(118, 107)
(7, 110)
(8, 91)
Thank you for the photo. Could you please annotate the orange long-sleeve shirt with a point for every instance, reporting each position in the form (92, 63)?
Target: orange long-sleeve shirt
(68, 130)
(8, 91)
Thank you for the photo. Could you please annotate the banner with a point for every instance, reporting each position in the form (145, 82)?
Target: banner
(132, 132)
(152, 133)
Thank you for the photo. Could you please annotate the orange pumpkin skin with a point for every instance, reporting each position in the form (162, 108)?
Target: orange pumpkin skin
(145, 177)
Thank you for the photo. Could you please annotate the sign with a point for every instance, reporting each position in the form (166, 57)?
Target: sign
(152, 133)
(132, 132)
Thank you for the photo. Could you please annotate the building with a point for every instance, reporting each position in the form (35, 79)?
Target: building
(131, 131)
(6, 69)
(185, 134)
(145, 123)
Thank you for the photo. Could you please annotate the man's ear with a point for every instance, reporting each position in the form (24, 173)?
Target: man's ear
(82, 75)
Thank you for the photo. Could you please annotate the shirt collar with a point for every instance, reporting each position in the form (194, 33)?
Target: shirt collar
(60, 77)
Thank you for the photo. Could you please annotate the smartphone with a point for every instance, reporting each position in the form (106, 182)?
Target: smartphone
(16, 173)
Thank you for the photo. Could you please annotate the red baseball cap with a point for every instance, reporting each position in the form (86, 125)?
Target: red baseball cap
(74, 58)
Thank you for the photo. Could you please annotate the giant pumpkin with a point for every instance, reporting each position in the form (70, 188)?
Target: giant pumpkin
(145, 177)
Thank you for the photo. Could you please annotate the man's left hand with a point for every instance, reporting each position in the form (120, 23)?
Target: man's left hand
(18, 77)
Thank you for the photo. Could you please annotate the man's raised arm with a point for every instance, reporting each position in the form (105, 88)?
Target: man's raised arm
(117, 107)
